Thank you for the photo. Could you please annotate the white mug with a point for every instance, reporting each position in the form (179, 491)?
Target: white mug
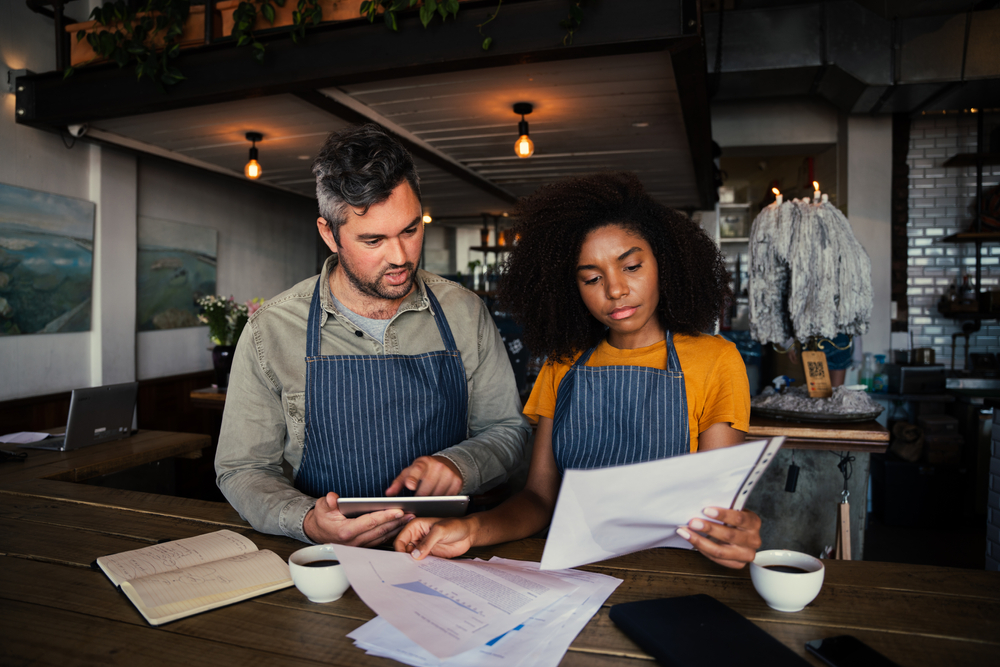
(324, 583)
(783, 590)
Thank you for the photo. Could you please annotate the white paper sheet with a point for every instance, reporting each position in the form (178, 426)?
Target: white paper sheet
(541, 640)
(607, 512)
(448, 606)
(23, 437)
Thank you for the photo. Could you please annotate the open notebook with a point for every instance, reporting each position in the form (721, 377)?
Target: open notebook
(96, 415)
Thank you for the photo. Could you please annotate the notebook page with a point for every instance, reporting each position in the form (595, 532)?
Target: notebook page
(195, 586)
(174, 555)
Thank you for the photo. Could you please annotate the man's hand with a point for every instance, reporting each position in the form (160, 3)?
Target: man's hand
(732, 543)
(326, 524)
(446, 538)
(428, 476)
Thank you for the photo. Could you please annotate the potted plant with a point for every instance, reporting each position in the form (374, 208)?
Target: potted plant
(225, 319)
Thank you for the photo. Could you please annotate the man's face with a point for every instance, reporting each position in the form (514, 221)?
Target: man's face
(379, 250)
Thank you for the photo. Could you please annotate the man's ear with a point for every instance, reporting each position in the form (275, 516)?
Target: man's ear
(327, 233)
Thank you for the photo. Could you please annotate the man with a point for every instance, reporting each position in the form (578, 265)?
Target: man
(371, 378)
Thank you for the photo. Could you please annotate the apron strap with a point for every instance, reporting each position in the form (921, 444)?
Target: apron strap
(441, 321)
(312, 328)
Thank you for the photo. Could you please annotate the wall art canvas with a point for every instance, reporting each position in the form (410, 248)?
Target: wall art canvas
(176, 267)
(46, 262)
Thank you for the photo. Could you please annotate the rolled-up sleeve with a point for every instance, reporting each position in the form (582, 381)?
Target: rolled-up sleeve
(498, 432)
(248, 462)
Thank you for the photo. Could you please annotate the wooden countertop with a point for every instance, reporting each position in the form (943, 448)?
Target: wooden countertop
(868, 436)
(58, 611)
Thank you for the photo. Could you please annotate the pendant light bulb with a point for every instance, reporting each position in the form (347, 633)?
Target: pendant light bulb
(253, 170)
(524, 147)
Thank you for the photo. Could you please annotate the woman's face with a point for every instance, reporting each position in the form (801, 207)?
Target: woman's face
(619, 283)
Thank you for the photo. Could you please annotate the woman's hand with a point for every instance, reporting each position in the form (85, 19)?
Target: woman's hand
(446, 538)
(732, 543)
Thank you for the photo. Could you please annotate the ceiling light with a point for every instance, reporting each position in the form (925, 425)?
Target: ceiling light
(253, 170)
(305, 157)
(643, 124)
(427, 218)
(524, 146)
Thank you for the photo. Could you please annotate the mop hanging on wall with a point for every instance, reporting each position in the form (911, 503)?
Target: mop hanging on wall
(809, 276)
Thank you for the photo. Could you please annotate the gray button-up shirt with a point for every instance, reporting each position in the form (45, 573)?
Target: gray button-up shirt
(263, 427)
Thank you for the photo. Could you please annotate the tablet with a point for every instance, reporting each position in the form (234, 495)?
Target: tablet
(438, 506)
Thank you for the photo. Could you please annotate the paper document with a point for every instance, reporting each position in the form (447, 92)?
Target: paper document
(23, 437)
(449, 606)
(541, 640)
(607, 512)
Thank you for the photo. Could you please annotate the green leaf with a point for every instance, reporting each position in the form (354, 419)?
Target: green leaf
(390, 19)
(452, 7)
(280, 3)
(426, 15)
(576, 13)
(243, 40)
(259, 56)
(487, 43)
(268, 12)
(69, 72)
(296, 17)
(81, 35)
(174, 51)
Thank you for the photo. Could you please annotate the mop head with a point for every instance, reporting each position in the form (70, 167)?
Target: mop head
(809, 275)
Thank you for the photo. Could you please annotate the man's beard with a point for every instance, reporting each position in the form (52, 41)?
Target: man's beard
(375, 288)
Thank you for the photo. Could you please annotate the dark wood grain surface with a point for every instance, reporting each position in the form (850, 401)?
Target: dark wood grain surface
(55, 609)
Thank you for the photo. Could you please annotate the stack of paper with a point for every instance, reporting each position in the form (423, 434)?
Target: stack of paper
(470, 612)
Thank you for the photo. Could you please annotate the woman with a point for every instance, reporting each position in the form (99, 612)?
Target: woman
(615, 289)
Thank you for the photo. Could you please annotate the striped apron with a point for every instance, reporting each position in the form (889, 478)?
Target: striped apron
(613, 415)
(369, 416)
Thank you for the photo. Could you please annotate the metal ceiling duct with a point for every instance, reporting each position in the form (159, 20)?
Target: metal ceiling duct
(855, 58)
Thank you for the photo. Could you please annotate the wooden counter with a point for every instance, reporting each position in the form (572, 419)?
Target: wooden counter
(868, 436)
(58, 611)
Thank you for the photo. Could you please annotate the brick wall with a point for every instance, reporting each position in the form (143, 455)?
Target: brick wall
(940, 203)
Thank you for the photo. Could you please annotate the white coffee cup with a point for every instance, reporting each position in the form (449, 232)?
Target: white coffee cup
(787, 591)
(324, 583)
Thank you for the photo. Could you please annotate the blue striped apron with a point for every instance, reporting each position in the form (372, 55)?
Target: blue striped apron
(369, 416)
(613, 415)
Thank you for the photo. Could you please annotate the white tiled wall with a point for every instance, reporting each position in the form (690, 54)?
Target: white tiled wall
(940, 203)
(993, 506)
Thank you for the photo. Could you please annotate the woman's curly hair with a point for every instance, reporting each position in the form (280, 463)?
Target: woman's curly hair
(538, 286)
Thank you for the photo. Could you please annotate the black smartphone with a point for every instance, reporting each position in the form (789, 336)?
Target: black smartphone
(847, 651)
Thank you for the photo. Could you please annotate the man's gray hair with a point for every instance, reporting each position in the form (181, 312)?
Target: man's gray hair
(359, 167)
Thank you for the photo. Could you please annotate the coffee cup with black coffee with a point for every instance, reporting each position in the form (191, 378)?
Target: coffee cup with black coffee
(318, 574)
(787, 580)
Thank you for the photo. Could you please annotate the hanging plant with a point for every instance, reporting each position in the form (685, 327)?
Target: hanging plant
(147, 35)
(572, 22)
(244, 18)
(428, 10)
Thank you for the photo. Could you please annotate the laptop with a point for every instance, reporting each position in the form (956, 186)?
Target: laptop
(96, 415)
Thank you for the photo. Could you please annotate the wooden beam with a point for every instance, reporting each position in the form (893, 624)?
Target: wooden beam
(353, 51)
(416, 147)
(691, 76)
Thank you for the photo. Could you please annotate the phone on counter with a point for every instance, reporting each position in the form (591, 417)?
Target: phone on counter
(437, 506)
(847, 651)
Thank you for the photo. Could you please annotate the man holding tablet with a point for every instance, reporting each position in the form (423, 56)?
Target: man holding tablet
(372, 378)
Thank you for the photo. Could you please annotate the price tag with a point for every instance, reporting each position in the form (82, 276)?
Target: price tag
(817, 374)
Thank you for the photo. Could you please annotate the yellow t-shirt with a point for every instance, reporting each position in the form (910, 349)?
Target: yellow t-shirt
(715, 379)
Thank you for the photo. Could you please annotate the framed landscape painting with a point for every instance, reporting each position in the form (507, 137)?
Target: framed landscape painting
(176, 267)
(46, 262)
